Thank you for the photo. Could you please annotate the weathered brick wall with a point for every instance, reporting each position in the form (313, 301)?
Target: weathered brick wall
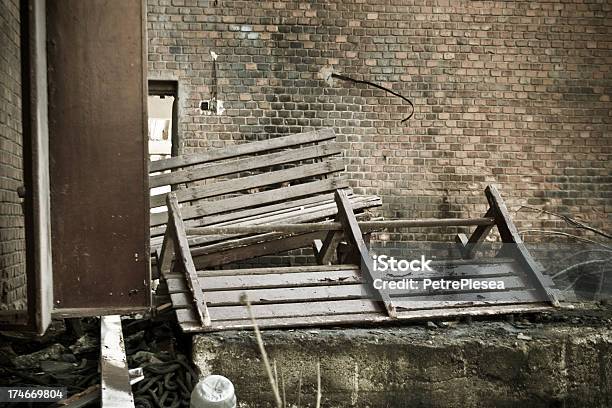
(12, 244)
(514, 93)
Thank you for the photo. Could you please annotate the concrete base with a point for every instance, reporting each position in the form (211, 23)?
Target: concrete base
(553, 361)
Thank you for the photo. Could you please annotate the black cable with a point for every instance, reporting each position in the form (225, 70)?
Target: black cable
(359, 81)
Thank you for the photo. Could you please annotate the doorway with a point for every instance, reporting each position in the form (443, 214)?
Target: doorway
(163, 124)
(163, 119)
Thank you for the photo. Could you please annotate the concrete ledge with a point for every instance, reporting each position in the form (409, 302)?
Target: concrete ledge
(561, 363)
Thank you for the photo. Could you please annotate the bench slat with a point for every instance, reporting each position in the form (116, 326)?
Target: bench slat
(326, 308)
(254, 249)
(278, 295)
(239, 242)
(259, 180)
(246, 215)
(252, 200)
(237, 166)
(242, 150)
(310, 214)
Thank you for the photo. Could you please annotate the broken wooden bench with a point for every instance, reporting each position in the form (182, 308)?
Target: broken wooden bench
(288, 179)
(335, 294)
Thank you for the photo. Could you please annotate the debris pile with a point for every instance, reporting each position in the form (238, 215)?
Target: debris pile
(63, 357)
(68, 355)
(169, 377)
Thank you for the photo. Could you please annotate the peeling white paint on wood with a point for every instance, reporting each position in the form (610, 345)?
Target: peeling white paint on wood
(116, 388)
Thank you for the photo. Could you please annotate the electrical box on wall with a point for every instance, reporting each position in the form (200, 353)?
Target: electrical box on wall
(211, 107)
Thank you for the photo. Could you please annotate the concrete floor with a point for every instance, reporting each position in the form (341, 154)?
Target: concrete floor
(559, 359)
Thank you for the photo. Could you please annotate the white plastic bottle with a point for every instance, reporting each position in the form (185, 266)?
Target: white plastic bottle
(214, 391)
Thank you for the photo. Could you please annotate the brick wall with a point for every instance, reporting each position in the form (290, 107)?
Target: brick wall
(513, 93)
(12, 244)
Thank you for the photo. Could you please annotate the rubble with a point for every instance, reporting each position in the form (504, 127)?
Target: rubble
(59, 358)
(85, 344)
(33, 360)
(161, 374)
(169, 376)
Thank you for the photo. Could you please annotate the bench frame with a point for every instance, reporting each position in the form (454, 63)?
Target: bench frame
(377, 306)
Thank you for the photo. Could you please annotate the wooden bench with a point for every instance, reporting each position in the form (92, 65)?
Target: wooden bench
(332, 294)
(287, 179)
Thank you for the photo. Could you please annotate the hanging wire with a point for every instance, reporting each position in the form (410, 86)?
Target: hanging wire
(359, 81)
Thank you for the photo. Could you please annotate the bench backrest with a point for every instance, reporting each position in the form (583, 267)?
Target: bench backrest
(247, 179)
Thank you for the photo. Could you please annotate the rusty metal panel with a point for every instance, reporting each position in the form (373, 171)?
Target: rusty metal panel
(98, 156)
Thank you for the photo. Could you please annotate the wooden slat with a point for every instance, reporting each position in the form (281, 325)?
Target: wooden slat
(459, 271)
(253, 213)
(353, 233)
(276, 276)
(176, 284)
(390, 225)
(114, 376)
(470, 310)
(309, 214)
(279, 269)
(328, 247)
(441, 270)
(246, 183)
(286, 280)
(240, 165)
(265, 247)
(324, 293)
(188, 323)
(244, 242)
(296, 309)
(255, 199)
(510, 283)
(242, 150)
(330, 308)
(510, 236)
(438, 272)
(267, 210)
(167, 253)
(175, 281)
(258, 245)
(466, 299)
(456, 262)
(278, 295)
(177, 229)
(332, 226)
(469, 245)
(296, 223)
